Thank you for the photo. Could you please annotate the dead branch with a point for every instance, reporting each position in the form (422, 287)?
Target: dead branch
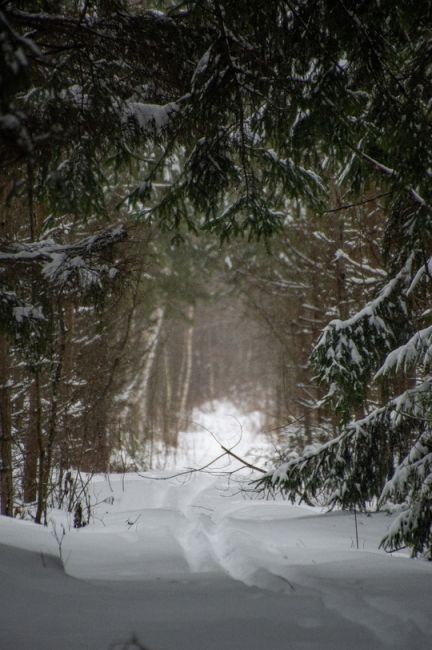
(241, 460)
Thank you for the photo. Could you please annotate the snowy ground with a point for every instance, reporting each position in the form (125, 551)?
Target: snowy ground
(214, 424)
(188, 563)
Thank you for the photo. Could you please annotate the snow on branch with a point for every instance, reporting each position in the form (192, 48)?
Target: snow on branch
(387, 171)
(148, 119)
(418, 460)
(21, 311)
(363, 267)
(412, 483)
(349, 351)
(105, 27)
(352, 468)
(299, 179)
(20, 318)
(334, 472)
(44, 250)
(417, 351)
(62, 262)
(425, 269)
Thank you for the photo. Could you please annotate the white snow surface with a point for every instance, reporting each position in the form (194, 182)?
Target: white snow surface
(189, 562)
(215, 424)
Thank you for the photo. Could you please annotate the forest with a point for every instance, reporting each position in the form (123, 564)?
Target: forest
(218, 199)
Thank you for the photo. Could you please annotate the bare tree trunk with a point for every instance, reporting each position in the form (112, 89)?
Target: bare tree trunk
(31, 443)
(6, 481)
(152, 344)
(41, 450)
(167, 413)
(184, 389)
(65, 392)
(46, 451)
(341, 288)
(99, 459)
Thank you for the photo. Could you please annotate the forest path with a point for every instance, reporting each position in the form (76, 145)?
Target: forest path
(186, 528)
(188, 564)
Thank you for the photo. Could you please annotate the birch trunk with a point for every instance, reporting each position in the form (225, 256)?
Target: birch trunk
(185, 388)
(143, 389)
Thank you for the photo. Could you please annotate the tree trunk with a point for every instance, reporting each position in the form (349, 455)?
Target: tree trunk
(167, 411)
(41, 453)
(184, 389)
(31, 443)
(341, 288)
(6, 482)
(152, 344)
(46, 451)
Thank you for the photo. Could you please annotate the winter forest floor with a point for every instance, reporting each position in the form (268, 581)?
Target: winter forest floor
(191, 563)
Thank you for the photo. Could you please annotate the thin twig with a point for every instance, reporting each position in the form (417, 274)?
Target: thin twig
(241, 460)
(346, 206)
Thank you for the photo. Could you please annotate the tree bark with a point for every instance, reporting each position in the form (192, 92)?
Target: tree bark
(341, 288)
(6, 480)
(184, 389)
(31, 443)
(152, 344)
(46, 450)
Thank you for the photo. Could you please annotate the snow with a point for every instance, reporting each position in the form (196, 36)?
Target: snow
(416, 351)
(201, 66)
(192, 562)
(221, 423)
(23, 312)
(425, 269)
(149, 118)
